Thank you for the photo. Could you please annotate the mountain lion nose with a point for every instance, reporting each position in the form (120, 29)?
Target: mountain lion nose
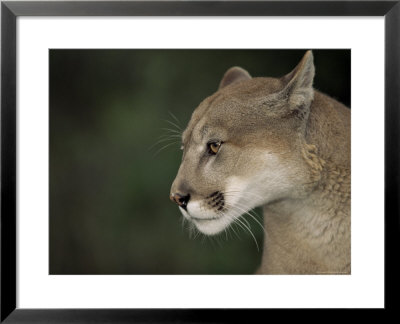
(181, 200)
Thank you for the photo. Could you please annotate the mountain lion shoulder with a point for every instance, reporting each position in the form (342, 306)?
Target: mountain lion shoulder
(279, 144)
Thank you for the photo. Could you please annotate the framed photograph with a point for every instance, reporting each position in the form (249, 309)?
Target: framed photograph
(197, 161)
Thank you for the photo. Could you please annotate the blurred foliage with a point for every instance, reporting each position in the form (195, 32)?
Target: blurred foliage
(109, 184)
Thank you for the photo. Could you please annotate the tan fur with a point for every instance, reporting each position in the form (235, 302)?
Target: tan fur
(286, 147)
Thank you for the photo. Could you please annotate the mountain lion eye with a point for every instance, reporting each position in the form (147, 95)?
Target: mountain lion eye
(213, 147)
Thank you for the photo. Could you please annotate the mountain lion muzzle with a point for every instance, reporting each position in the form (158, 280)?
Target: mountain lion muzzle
(279, 144)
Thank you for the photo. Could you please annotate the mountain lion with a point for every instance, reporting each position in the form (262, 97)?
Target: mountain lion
(279, 144)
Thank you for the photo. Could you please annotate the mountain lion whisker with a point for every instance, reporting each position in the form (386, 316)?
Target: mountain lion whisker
(163, 140)
(245, 212)
(164, 147)
(173, 124)
(174, 131)
(176, 119)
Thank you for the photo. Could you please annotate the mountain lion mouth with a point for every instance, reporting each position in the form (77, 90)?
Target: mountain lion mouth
(197, 219)
(212, 207)
(216, 212)
(209, 225)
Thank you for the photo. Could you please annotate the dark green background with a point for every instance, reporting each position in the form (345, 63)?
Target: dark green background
(109, 206)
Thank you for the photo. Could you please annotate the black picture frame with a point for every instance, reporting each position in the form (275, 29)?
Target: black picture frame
(10, 10)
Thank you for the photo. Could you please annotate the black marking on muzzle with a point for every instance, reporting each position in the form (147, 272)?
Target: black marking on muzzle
(216, 200)
(214, 194)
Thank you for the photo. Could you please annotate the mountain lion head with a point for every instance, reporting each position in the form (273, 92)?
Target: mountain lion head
(245, 147)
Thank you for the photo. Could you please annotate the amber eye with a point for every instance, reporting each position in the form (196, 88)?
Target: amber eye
(213, 147)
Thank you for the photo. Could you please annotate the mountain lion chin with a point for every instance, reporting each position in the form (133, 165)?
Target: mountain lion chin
(210, 226)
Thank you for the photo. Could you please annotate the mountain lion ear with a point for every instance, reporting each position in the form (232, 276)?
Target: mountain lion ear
(298, 90)
(233, 75)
